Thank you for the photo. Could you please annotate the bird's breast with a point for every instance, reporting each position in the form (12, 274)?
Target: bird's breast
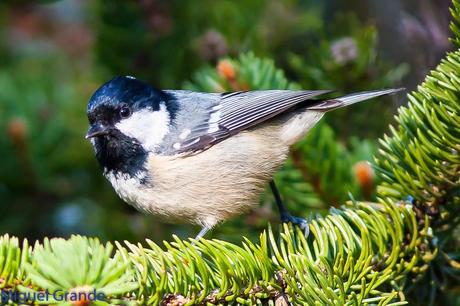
(129, 187)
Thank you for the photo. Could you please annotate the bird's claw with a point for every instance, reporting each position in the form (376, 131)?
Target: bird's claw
(300, 222)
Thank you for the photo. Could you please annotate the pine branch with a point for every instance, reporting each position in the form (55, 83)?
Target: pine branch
(420, 159)
(348, 258)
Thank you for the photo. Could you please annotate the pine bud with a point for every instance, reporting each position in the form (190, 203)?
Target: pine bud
(17, 130)
(226, 70)
(83, 296)
(364, 174)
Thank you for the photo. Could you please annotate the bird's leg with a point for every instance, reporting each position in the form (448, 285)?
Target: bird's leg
(284, 213)
(203, 232)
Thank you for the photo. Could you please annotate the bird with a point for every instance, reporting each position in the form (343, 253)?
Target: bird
(201, 158)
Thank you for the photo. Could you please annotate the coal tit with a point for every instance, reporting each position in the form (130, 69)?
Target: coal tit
(197, 157)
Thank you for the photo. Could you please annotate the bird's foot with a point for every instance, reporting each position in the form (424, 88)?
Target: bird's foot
(298, 221)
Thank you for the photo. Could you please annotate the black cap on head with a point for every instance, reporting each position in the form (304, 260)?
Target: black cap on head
(125, 89)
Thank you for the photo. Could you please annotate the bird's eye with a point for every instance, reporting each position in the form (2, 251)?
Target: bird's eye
(125, 111)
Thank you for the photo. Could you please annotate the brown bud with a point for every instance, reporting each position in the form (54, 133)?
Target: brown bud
(226, 70)
(82, 293)
(17, 130)
(364, 174)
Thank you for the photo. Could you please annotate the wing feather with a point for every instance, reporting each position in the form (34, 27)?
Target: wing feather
(238, 111)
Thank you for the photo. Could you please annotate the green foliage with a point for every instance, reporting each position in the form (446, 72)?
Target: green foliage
(246, 73)
(13, 256)
(164, 42)
(423, 151)
(334, 169)
(43, 126)
(78, 265)
(346, 58)
(420, 158)
(348, 259)
(35, 126)
(454, 26)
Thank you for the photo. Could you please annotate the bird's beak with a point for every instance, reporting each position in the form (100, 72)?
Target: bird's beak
(97, 130)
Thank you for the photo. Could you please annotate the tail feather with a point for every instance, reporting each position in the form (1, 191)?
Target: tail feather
(334, 103)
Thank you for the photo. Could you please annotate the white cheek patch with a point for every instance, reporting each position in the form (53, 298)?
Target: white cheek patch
(148, 127)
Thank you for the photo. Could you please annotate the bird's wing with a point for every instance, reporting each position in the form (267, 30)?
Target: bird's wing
(210, 118)
(207, 119)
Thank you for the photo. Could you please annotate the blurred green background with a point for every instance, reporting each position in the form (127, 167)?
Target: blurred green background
(54, 54)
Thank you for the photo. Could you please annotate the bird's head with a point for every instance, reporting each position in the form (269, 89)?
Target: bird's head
(127, 107)
(128, 117)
